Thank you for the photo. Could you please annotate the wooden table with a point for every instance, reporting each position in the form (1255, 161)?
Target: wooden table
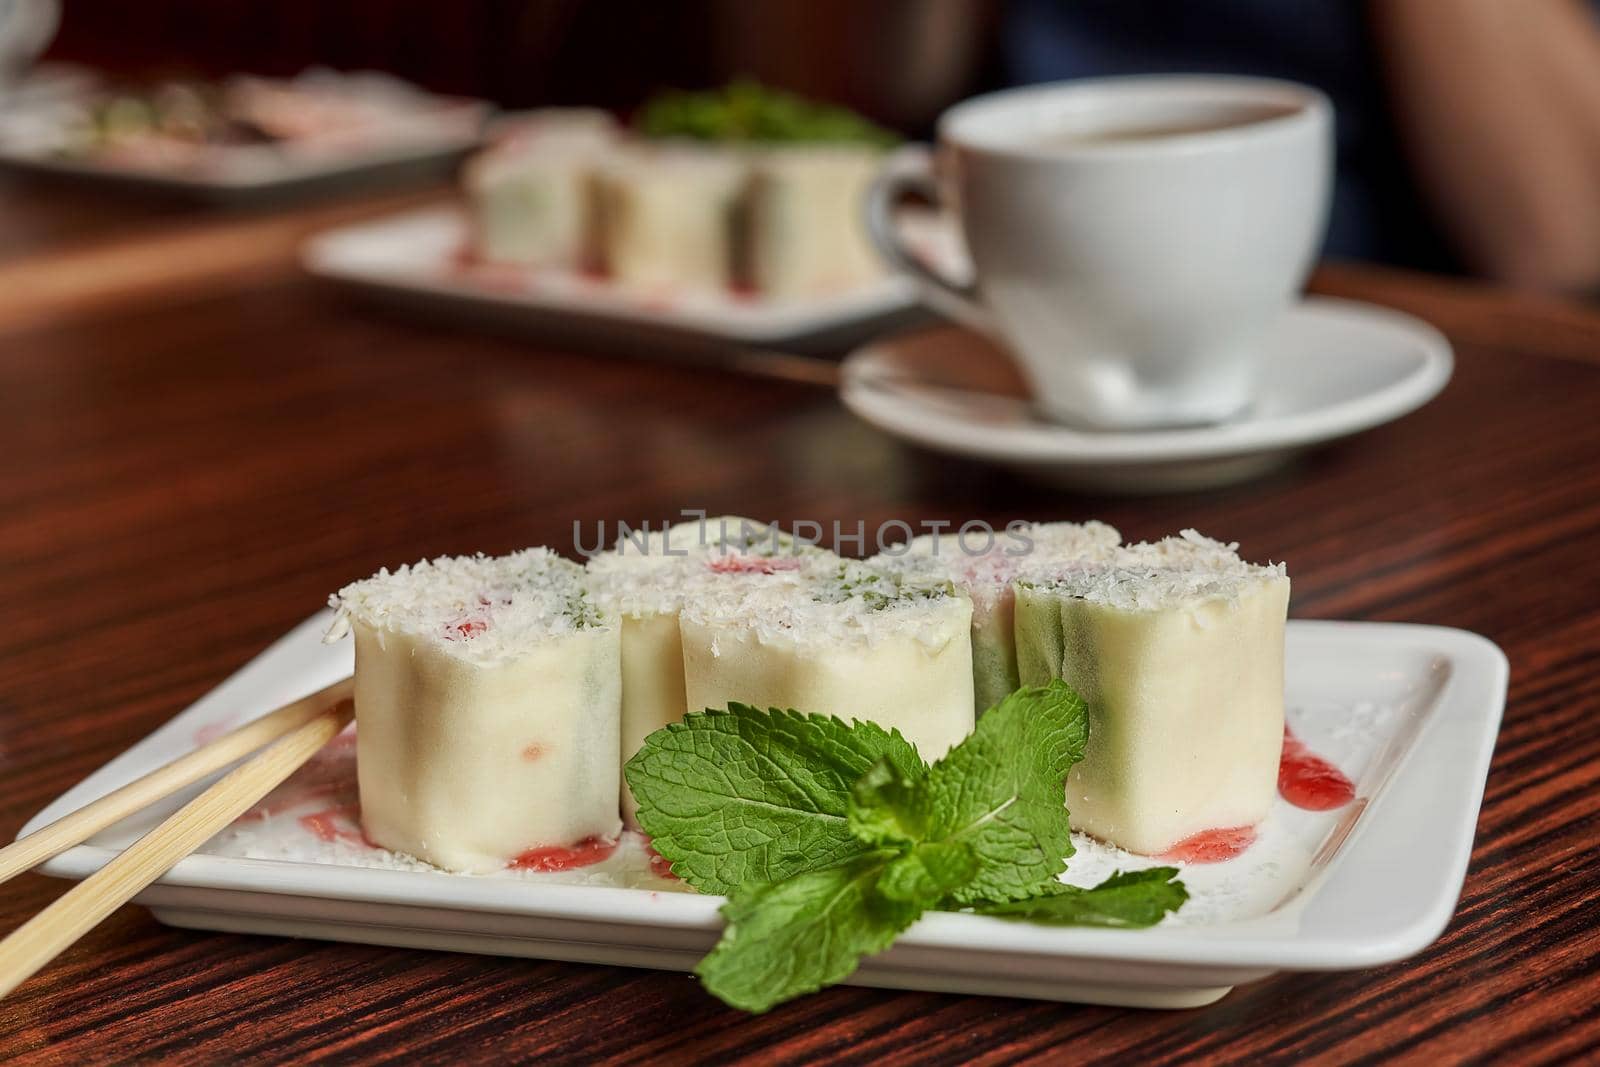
(187, 468)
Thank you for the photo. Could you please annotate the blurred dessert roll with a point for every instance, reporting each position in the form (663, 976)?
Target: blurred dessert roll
(488, 704)
(805, 235)
(644, 580)
(667, 216)
(530, 195)
(744, 190)
(836, 637)
(985, 563)
(1178, 649)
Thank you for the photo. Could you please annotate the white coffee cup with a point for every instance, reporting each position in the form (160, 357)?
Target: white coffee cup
(26, 29)
(1133, 239)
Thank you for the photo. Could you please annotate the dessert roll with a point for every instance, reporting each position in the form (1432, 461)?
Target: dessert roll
(836, 637)
(1178, 649)
(806, 235)
(667, 216)
(488, 705)
(644, 579)
(985, 566)
(531, 197)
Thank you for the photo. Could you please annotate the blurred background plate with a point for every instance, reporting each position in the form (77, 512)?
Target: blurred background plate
(417, 259)
(423, 144)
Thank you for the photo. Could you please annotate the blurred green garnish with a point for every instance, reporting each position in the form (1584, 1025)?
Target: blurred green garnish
(746, 111)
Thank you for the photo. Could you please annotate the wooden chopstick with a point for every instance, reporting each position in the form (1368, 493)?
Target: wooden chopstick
(74, 913)
(28, 852)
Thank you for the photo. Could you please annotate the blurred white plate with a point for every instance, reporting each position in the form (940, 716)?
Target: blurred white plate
(415, 257)
(1409, 713)
(1335, 367)
(425, 141)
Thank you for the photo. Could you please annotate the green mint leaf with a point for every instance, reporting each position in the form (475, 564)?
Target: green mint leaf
(799, 935)
(1002, 792)
(831, 839)
(887, 808)
(928, 873)
(1126, 899)
(747, 797)
(746, 111)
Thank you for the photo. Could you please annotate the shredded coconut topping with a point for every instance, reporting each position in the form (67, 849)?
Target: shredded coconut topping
(1156, 576)
(985, 563)
(829, 602)
(651, 573)
(478, 608)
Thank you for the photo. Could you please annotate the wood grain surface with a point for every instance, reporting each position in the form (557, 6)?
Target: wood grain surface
(186, 474)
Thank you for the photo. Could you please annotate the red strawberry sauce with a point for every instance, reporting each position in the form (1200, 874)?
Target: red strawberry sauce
(1305, 780)
(659, 864)
(1308, 781)
(1212, 846)
(328, 826)
(752, 564)
(589, 851)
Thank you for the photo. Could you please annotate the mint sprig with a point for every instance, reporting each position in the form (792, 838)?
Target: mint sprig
(1126, 899)
(746, 111)
(830, 839)
(750, 797)
(1002, 792)
(803, 934)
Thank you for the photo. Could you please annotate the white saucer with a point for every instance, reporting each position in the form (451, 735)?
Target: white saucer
(1337, 367)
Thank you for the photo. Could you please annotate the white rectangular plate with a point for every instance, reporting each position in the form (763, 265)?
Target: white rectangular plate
(427, 139)
(1409, 713)
(415, 255)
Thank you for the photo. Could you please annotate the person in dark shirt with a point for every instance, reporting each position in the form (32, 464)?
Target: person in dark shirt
(1468, 130)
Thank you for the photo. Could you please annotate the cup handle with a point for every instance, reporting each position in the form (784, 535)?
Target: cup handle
(906, 173)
